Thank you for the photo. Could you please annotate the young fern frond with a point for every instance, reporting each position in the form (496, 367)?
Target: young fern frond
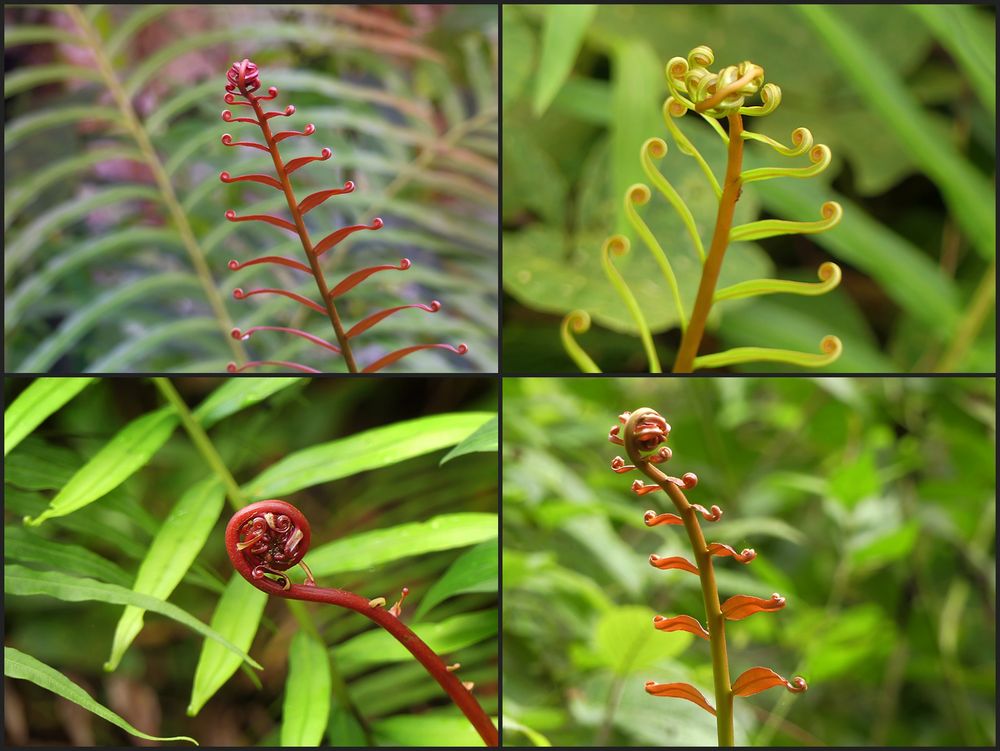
(243, 80)
(644, 433)
(713, 97)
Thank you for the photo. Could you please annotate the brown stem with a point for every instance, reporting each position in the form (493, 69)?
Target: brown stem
(300, 226)
(706, 573)
(691, 340)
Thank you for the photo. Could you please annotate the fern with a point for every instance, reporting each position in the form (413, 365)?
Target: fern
(114, 255)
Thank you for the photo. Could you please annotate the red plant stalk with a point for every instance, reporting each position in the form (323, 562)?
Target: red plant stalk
(643, 434)
(267, 538)
(244, 77)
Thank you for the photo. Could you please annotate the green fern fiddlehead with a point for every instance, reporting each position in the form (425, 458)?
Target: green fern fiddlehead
(714, 96)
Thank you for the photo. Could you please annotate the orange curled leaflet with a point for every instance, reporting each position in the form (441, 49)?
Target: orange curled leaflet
(653, 519)
(680, 623)
(756, 680)
(721, 549)
(641, 488)
(618, 465)
(679, 691)
(673, 562)
(738, 607)
(711, 515)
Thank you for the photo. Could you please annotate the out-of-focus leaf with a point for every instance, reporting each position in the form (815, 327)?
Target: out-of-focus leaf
(476, 570)
(173, 550)
(888, 548)
(361, 452)
(42, 398)
(437, 730)
(532, 735)
(307, 692)
(131, 448)
(17, 664)
(563, 31)
(626, 642)
(518, 54)
(22, 545)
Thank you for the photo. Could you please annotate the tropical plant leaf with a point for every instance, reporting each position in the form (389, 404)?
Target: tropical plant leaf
(306, 706)
(42, 398)
(476, 570)
(17, 664)
(486, 438)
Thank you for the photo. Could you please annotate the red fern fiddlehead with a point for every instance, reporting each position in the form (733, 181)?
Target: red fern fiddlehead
(266, 539)
(243, 79)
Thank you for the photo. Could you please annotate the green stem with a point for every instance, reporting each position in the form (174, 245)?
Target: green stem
(131, 123)
(983, 300)
(202, 442)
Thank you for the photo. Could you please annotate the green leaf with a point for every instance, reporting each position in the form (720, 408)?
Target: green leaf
(173, 550)
(17, 664)
(22, 545)
(371, 449)
(23, 581)
(886, 549)
(485, 438)
(119, 459)
(430, 730)
(476, 570)
(236, 394)
(563, 31)
(626, 640)
(236, 617)
(307, 692)
(969, 194)
(532, 735)
(518, 55)
(25, 79)
(366, 550)
(638, 89)
(379, 647)
(42, 398)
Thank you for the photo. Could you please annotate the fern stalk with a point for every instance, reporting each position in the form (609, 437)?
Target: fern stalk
(155, 166)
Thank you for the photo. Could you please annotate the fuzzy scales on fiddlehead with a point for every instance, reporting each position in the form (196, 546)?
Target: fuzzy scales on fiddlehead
(266, 539)
(643, 433)
(714, 96)
(243, 79)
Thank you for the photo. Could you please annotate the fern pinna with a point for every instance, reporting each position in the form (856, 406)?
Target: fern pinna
(715, 97)
(643, 433)
(243, 80)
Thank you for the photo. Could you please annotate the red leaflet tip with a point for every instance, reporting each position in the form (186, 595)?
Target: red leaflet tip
(309, 129)
(233, 265)
(377, 223)
(325, 153)
(236, 334)
(232, 368)
(224, 176)
(349, 186)
(238, 293)
(434, 307)
(404, 264)
(227, 139)
(290, 110)
(231, 215)
(461, 349)
(227, 116)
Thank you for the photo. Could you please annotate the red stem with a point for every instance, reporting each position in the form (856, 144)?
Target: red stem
(300, 226)
(427, 657)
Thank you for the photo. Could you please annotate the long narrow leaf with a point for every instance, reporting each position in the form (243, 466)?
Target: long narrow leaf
(41, 399)
(307, 692)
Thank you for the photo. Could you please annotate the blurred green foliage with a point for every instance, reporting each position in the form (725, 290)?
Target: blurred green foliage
(116, 244)
(260, 423)
(870, 503)
(903, 96)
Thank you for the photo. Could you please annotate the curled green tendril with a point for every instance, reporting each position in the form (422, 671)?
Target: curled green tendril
(577, 321)
(770, 95)
(802, 141)
(656, 148)
(831, 212)
(673, 109)
(619, 245)
(720, 94)
(638, 195)
(829, 275)
(830, 349)
(819, 155)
